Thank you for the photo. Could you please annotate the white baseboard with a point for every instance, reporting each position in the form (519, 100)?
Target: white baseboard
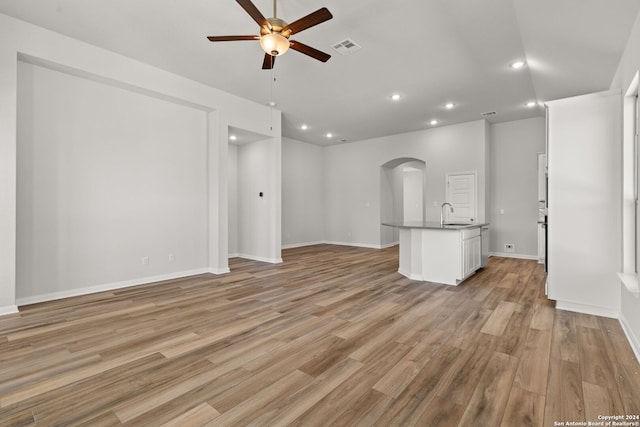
(411, 276)
(219, 271)
(356, 245)
(388, 245)
(634, 342)
(300, 245)
(512, 255)
(10, 309)
(106, 287)
(261, 259)
(587, 309)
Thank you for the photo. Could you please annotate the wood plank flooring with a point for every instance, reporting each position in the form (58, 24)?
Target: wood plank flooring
(333, 336)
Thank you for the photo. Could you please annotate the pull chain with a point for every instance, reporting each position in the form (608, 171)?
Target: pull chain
(272, 101)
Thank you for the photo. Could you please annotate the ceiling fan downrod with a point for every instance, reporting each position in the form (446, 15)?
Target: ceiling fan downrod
(275, 24)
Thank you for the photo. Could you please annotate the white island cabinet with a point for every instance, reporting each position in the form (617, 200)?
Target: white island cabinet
(471, 251)
(439, 253)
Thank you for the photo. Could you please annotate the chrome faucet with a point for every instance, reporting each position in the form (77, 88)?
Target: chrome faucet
(441, 212)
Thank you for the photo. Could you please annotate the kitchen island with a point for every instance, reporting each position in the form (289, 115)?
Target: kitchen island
(441, 253)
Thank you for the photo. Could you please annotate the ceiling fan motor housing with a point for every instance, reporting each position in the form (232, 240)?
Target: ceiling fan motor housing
(275, 26)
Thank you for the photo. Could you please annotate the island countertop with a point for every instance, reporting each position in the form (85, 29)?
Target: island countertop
(433, 225)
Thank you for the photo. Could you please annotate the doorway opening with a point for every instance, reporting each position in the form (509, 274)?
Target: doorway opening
(402, 195)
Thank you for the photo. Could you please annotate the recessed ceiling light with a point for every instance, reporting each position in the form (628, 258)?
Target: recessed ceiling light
(272, 104)
(531, 104)
(304, 127)
(433, 122)
(329, 135)
(233, 137)
(517, 65)
(395, 97)
(449, 105)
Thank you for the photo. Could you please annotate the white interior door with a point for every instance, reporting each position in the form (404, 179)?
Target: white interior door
(461, 193)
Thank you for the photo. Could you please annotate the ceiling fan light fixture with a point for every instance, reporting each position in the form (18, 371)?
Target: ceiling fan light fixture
(275, 44)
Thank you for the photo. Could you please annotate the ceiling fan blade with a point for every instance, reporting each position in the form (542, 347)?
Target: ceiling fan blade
(253, 11)
(231, 38)
(268, 62)
(308, 21)
(308, 50)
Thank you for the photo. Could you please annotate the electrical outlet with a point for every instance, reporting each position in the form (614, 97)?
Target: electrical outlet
(509, 247)
(172, 257)
(145, 260)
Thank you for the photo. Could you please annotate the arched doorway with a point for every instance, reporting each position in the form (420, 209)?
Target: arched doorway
(402, 195)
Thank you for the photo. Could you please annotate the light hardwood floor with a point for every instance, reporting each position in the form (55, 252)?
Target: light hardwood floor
(334, 336)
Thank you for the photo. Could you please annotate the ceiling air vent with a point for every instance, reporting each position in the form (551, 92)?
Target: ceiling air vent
(489, 114)
(346, 47)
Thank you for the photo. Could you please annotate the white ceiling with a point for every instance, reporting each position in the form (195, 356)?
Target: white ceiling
(429, 51)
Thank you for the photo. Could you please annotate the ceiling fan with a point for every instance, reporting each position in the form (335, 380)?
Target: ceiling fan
(275, 33)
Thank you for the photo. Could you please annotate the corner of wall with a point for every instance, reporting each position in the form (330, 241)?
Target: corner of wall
(8, 172)
(487, 173)
(10, 309)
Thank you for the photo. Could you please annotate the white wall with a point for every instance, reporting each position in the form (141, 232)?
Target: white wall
(413, 193)
(397, 194)
(511, 152)
(302, 193)
(106, 177)
(391, 202)
(352, 176)
(628, 67)
(251, 170)
(233, 200)
(40, 46)
(514, 185)
(259, 172)
(352, 182)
